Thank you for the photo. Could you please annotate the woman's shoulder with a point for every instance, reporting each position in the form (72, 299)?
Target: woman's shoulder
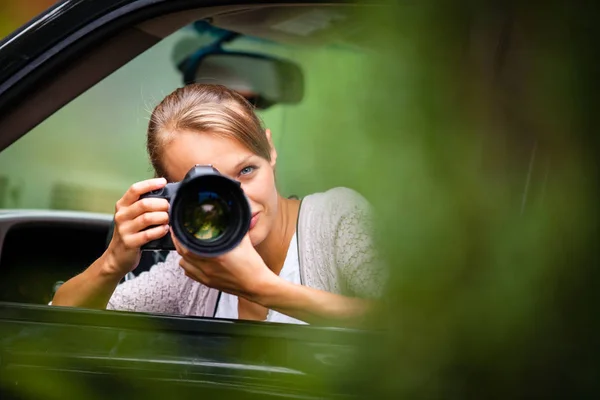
(340, 200)
(336, 241)
(337, 211)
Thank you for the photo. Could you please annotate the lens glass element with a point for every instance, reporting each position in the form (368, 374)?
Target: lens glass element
(208, 217)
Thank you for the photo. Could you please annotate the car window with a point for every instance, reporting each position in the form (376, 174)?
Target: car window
(88, 153)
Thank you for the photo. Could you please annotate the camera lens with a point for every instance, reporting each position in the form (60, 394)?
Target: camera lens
(207, 218)
(209, 214)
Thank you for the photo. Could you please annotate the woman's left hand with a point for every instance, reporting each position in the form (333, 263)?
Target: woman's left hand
(241, 271)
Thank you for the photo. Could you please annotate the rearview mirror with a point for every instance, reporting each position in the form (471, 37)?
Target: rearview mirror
(262, 79)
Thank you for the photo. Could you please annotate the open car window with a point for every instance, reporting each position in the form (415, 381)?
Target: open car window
(82, 158)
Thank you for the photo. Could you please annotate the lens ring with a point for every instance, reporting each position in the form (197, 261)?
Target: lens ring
(221, 194)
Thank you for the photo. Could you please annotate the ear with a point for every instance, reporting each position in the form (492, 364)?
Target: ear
(273, 151)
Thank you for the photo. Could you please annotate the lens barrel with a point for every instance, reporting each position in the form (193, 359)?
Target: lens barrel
(210, 214)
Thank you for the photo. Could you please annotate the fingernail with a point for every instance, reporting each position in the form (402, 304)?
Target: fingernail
(166, 227)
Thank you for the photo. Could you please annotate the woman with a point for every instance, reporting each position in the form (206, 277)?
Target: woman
(301, 261)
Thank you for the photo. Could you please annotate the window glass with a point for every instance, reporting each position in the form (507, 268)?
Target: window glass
(88, 153)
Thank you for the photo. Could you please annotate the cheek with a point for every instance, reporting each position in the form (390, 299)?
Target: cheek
(261, 191)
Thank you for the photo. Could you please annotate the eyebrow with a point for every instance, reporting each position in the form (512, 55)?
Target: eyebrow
(244, 161)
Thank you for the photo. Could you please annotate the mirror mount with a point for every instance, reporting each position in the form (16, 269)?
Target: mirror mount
(262, 79)
(189, 65)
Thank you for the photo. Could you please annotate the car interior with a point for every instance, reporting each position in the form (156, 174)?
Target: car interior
(48, 206)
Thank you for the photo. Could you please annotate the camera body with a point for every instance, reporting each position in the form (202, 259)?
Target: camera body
(209, 213)
(167, 192)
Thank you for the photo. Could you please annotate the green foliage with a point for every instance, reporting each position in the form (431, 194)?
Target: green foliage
(481, 175)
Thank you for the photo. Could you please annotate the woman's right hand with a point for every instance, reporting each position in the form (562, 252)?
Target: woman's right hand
(132, 216)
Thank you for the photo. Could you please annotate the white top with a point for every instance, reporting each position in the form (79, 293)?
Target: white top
(228, 303)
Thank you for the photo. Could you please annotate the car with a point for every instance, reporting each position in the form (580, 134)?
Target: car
(50, 67)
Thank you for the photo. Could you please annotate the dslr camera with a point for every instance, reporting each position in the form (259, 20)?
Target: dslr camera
(209, 213)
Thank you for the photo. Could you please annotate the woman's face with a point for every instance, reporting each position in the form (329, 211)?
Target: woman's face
(232, 159)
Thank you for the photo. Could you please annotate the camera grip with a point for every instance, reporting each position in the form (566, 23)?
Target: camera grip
(166, 242)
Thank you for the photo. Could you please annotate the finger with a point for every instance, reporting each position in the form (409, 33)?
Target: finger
(137, 240)
(140, 207)
(188, 254)
(182, 250)
(178, 247)
(147, 219)
(137, 189)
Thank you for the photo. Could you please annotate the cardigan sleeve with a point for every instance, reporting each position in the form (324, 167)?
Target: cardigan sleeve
(360, 270)
(157, 290)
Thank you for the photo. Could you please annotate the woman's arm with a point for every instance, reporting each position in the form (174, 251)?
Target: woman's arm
(346, 217)
(92, 288)
(242, 272)
(137, 222)
(157, 290)
(311, 305)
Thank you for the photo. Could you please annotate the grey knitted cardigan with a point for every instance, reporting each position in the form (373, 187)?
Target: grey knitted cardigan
(335, 247)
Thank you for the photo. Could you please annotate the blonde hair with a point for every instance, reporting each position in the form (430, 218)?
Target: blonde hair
(205, 108)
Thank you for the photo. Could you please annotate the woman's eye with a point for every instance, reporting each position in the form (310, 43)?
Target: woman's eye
(247, 170)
